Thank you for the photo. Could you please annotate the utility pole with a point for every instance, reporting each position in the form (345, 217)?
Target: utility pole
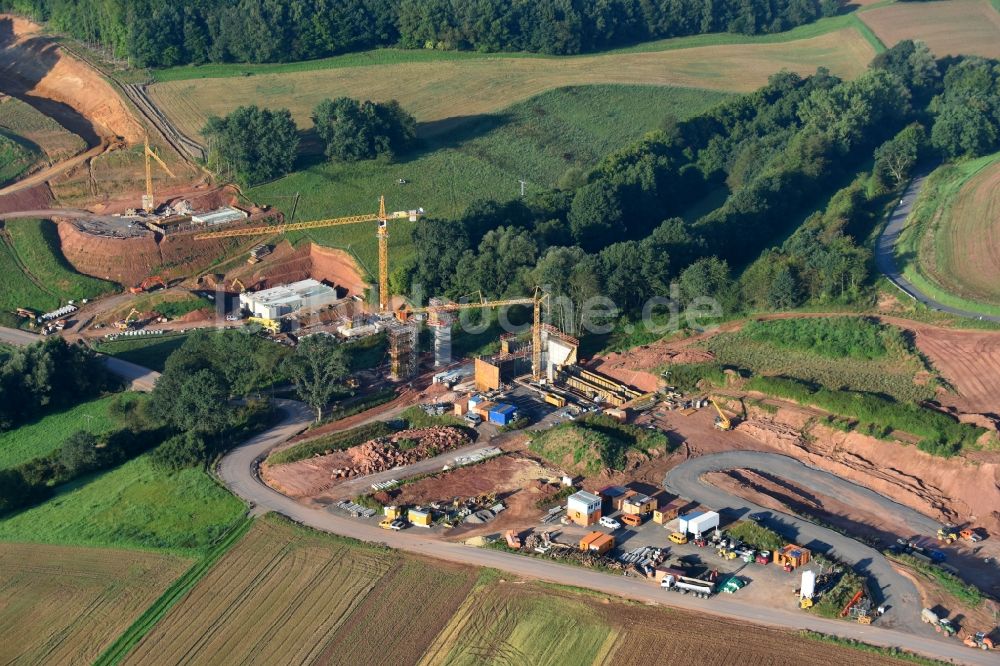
(523, 183)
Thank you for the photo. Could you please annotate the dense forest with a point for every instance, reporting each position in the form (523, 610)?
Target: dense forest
(159, 33)
(808, 165)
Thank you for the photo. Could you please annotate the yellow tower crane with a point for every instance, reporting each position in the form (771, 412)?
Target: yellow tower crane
(383, 237)
(536, 327)
(148, 203)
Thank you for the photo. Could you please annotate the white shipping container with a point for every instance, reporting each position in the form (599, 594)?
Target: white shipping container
(808, 587)
(698, 523)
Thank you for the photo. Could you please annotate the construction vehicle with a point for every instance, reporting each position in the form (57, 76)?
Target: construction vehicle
(947, 534)
(535, 301)
(733, 585)
(979, 640)
(238, 283)
(631, 519)
(386, 524)
(722, 422)
(971, 534)
(148, 202)
(684, 584)
(805, 603)
(678, 538)
(941, 625)
(382, 233)
(273, 326)
(126, 323)
(25, 313)
(148, 284)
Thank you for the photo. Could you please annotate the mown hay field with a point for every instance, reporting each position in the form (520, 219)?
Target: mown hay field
(64, 605)
(961, 250)
(286, 595)
(441, 94)
(949, 27)
(544, 625)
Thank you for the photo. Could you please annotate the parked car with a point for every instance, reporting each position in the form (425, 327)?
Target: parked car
(610, 523)
(678, 537)
(386, 524)
(398, 525)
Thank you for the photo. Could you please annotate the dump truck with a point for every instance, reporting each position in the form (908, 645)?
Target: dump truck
(941, 625)
(684, 584)
(971, 534)
(733, 585)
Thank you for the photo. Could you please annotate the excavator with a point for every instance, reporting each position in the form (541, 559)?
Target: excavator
(127, 322)
(148, 284)
(238, 283)
(722, 422)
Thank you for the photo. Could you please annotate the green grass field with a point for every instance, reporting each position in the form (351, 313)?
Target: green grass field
(134, 506)
(941, 250)
(47, 434)
(151, 352)
(391, 56)
(36, 274)
(537, 140)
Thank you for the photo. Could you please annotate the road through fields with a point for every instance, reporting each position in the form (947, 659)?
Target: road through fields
(238, 470)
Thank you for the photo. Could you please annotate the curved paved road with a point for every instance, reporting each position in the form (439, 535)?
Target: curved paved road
(892, 587)
(238, 470)
(885, 254)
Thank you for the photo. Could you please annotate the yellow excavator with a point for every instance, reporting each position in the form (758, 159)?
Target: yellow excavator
(722, 422)
(127, 322)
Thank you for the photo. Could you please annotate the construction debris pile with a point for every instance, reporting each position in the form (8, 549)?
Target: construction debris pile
(402, 448)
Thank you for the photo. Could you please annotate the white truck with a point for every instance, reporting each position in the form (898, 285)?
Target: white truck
(702, 589)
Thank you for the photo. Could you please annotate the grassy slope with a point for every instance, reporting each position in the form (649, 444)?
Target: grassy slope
(24, 122)
(132, 506)
(391, 56)
(151, 352)
(537, 140)
(32, 246)
(15, 159)
(916, 243)
(47, 434)
(892, 374)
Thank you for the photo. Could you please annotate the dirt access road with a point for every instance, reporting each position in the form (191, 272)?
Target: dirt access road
(892, 587)
(238, 470)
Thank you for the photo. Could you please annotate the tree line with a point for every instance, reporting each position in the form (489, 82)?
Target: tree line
(157, 33)
(808, 165)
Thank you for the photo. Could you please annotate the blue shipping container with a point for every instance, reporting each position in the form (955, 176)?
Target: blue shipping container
(502, 414)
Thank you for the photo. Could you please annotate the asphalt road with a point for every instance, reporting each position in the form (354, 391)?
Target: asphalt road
(238, 471)
(885, 254)
(139, 378)
(892, 587)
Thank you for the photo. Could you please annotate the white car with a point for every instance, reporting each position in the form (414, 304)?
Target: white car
(610, 523)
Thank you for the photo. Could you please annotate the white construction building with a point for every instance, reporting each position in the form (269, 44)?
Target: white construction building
(282, 300)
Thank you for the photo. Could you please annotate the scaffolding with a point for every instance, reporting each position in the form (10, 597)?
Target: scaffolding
(403, 352)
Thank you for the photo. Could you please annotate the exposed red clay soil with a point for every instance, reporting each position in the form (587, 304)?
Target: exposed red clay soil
(34, 198)
(128, 261)
(307, 478)
(637, 366)
(286, 265)
(34, 66)
(518, 481)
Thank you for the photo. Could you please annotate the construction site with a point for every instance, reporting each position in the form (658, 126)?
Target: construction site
(609, 463)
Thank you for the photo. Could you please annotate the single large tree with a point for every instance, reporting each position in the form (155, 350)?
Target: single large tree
(353, 130)
(257, 144)
(317, 368)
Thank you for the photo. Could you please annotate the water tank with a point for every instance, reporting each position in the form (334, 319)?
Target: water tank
(808, 584)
